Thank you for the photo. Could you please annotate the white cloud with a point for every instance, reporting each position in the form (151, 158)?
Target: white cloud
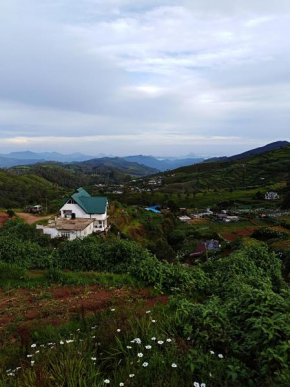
(94, 69)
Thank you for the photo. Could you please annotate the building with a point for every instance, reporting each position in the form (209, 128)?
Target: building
(205, 246)
(271, 196)
(80, 215)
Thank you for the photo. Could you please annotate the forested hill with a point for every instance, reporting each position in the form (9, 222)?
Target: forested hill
(260, 170)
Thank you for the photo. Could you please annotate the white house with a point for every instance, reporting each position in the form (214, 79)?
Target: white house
(271, 196)
(80, 215)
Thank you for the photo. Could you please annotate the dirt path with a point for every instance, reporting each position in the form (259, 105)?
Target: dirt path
(30, 218)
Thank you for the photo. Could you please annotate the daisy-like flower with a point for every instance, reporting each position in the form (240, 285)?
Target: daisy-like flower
(33, 345)
(113, 310)
(196, 384)
(153, 338)
(145, 364)
(121, 384)
(160, 342)
(148, 311)
(107, 381)
(168, 340)
(61, 342)
(148, 346)
(220, 356)
(173, 365)
(131, 375)
(32, 362)
(94, 358)
(129, 347)
(154, 321)
(140, 354)
(202, 385)
(37, 351)
(29, 355)
(118, 330)
(212, 352)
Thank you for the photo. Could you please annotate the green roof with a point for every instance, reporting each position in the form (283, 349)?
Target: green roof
(90, 204)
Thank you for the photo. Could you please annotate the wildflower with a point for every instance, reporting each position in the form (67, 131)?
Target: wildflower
(11, 374)
(93, 337)
(113, 310)
(33, 345)
(61, 342)
(29, 355)
(202, 385)
(168, 340)
(148, 346)
(140, 354)
(131, 375)
(121, 384)
(78, 329)
(160, 342)
(173, 365)
(148, 311)
(153, 338)
(196, 384)
(94, 358)
(118, 330)
(129, 347)
(69, 341)
(37, 351)
(107, 381)
(212, 352)
(154, 321)
(145, 364)
(32, 362)
(220, 356)
(137, 341)
(188, 339)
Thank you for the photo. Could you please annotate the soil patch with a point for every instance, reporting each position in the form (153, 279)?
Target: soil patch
(30, 218)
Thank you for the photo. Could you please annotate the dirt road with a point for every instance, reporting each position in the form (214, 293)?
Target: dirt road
(31, 218)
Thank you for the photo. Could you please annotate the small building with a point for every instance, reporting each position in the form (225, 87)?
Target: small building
(271, 195)
(203, 246)
(80, 215)
(184, 218)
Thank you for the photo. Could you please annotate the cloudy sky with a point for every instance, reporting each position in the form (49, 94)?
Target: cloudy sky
(161, 77)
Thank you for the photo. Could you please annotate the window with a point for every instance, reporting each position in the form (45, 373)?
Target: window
(65, 234)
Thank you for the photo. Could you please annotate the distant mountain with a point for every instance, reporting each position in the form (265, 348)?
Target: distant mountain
(118, 163)
(6, 162)
(46, 156)
(252, 152)
(162, 164)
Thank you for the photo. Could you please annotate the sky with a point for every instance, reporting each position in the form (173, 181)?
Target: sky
(162, 77)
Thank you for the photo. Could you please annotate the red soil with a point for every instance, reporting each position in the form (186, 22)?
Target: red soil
(56, 304)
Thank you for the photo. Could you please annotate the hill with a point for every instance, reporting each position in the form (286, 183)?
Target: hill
(253, 152)
(164, 163)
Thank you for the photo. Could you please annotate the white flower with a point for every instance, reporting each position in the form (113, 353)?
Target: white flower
(173, 365)
(148, 311)
(121, 384)
(202, 385)
(154, 321)
(128, 346)
(94, 358)
(69, 341)
(113, 310)
(145, 364)
(168, 340)
(148, 346)
(118, 330)
(196, 384)
(93, 337)
(61, 342)
(107, 381)
(37, 351)
(29, 355)
(188, 339)
(153, 338)
(131, 375)
(33, 345)
(212, 352)
(140, 354)
(32, 362)
(220, 356)
(160, 342)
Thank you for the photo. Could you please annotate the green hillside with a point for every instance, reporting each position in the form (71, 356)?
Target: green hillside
(263, 170)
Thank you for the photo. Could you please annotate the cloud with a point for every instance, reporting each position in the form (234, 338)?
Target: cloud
(89, 69)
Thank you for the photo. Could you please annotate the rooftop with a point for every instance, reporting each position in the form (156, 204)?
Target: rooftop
(90, 204)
